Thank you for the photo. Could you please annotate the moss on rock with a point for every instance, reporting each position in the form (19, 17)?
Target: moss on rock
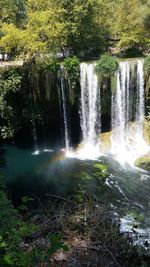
(147, 131)
(143, 162)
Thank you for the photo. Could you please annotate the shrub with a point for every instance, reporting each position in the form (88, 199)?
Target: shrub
(48, 62)
(72, 75)
(106, 66)
(14, 251)
(72, 69)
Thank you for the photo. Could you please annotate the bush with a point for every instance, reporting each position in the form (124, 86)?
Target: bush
(52, 64)
(47, 62)
(72, 75)
(106, 66)
(14, 251)
(72, 69)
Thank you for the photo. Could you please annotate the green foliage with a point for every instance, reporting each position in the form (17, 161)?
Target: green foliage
(10, 84)
(72, 68)
(31, 27)
(51, 26)
(135, 215)
(13, 11)
(51, 64)
(84, 24)
(101, 167)
(106, 66)
(57, 243)
(25, 201)
(45, 63)
(92, 183)
(9, 237)
(146, 10)
(72, 74)
(128, 26)
(12, 233)
(43, 31)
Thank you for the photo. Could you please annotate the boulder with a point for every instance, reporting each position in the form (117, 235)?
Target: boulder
(143, 162)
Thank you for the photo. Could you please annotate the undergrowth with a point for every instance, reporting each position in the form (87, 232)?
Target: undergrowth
(63, 232)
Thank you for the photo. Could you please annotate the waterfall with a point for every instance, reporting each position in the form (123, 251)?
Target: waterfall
(90, 110)
(36, 149)
(140, 99)
(65, 113)
(127, 142)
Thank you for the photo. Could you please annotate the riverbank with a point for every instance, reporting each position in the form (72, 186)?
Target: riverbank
(63, 232)
(85, 233)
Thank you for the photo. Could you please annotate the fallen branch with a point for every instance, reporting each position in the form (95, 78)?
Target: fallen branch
(112, 255)
(99, 247)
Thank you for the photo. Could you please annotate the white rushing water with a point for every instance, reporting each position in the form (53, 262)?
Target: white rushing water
(36, 148)
(127, 141)
(90, 112)
(65, 115)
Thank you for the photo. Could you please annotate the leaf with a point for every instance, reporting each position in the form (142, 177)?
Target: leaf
(8, 259)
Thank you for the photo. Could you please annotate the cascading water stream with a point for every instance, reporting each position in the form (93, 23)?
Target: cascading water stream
(90, 111)
(127, 141)
(36, 149)
(140, 98)
(65, 115)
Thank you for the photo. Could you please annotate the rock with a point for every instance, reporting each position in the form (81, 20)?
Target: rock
(143, 162)
(147, 131)
(60, 256)
(105, 142)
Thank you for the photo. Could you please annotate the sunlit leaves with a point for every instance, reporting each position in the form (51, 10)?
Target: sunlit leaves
(10, 38)
(12, 11)
(128, 25)
(41, 26)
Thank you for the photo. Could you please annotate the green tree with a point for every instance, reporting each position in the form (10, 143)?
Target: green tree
(56, 26)
(147, 21)
(12, 11)
(85, 31)
(128, 25)
(44, 31)
(48, 26)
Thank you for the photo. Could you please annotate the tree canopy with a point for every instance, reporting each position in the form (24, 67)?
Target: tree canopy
(50, 26)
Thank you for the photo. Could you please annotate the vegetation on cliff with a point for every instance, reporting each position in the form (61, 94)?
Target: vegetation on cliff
(10, 85)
